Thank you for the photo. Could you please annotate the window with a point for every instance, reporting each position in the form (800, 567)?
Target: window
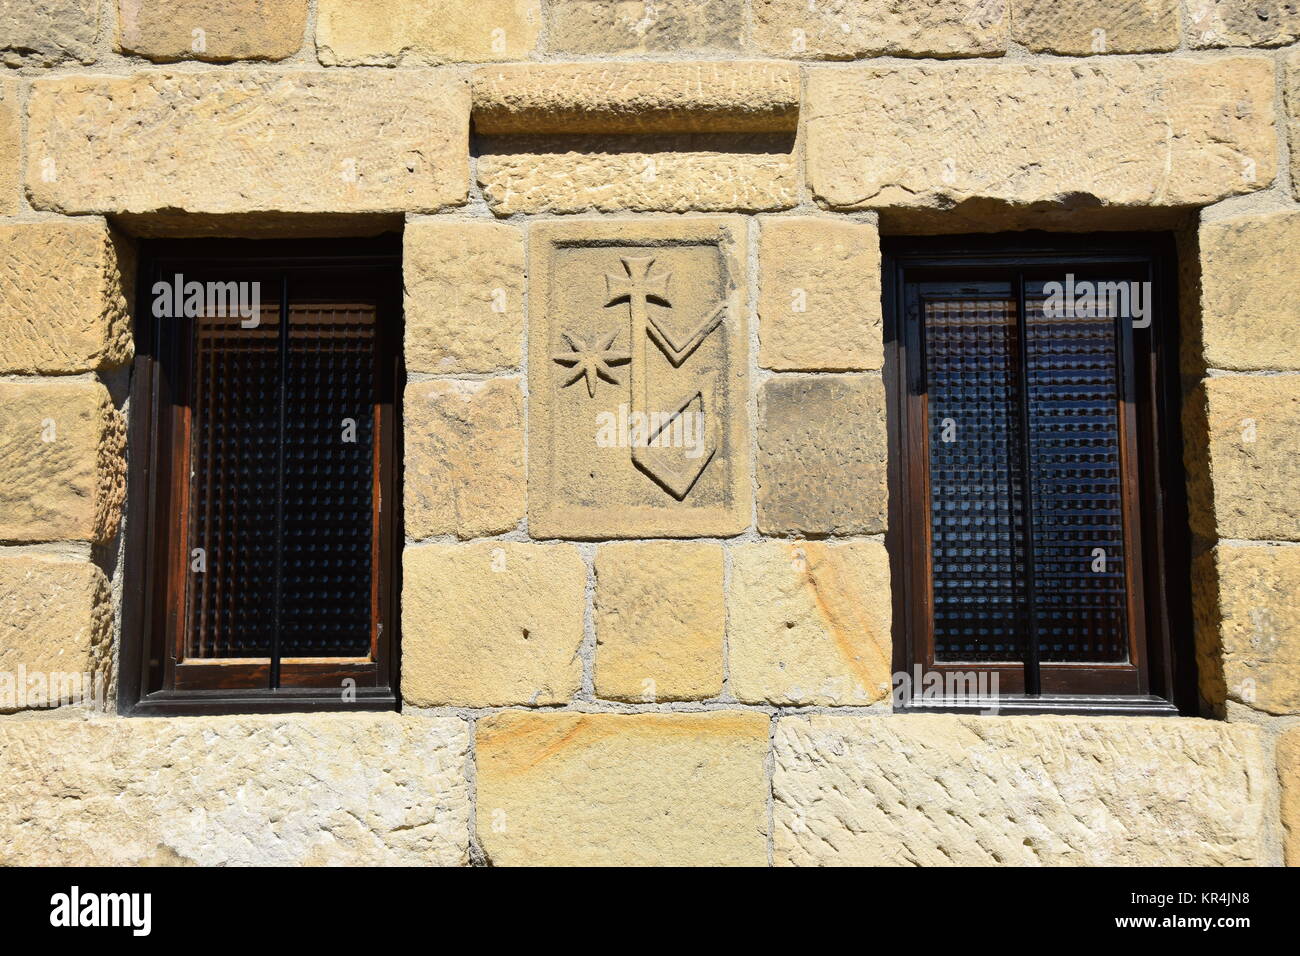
(1038, 516)
(263, 537)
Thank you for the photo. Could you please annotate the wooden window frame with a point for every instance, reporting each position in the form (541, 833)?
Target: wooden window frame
(1155, 498)
(150, 683)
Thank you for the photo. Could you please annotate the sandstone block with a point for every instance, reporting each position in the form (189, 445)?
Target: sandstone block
(48, 32)
(844, 31)
(492, 624)
(1219, 23)
(392, 32)
(591, 27)
(1083, 27)
(1288, 769)
(215, 30)
(10, 147)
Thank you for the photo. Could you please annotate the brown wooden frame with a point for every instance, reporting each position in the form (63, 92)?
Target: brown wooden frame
(1159, 677)
(155, 676)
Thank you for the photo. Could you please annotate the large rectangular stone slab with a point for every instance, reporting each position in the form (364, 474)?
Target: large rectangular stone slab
(64, 288)
(561, 789)
(405, 32)
(595, 27)
(253, 141)
(1084, 27)
(848, 31)
(48, 32)
(62, 464)
(940, 790)
(1126, 132)
(295, 790)
(637, 370)
(215, 30)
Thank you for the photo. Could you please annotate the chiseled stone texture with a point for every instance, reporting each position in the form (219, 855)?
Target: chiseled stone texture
(1250, 314)
(1292, 97)
(1248, 488)
(47, 32)
(941, 790)
(391, 32)
(1256, 657)
(809, 623)
(62, 464)
(822, 455)
(491, 624)
(819, 295)
(1219, 23)
(849, 29)
(654, 442)
(623, 789)
(1288, 770)
(231, 29)
(592, 27)
(284, 790)
(660, 616)
(1130, 132)
(56, 618)
(10, 147)
(464, 447)
(336, 141)
(464, 296)
(64, 288)
(1082, 27)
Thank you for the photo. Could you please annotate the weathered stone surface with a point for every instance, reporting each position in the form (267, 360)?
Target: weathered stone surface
(1096, 26)
(822, 454)
(10, 147)
(662, 97)
(819, 295)
(215, 30)
(1135, 132)
(623, 789)
(249, 141)
(592, 27)
(809, 623)
(1250, 314)
(322, 789)
(464, 446)
(660, 616)
(464, 296)
(48, 32)
(389, 32)
(939, 790)
(492, 624)
(653, 442)
(1292, 80)
(1219, 23)
(62, 470)
(64, 287)
(55, 631)
(1256, 657)
(1247, 489)
(845, 31)
(1288, 769)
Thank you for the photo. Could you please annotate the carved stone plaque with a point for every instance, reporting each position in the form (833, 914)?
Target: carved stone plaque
(637, 372)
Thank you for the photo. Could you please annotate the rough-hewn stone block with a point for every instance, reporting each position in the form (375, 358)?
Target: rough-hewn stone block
(809, 623)
(388, 32)
(213, 30)
(464, 446)
(1292, 80)
(64, 287)
(46, 32)
(1250, 314)
(325, 789)
(464, 296)
(335, 141)
(846, 31)
(659, 620)
(10, 148)
(819, 295)
(62, 470)
(821, 455)
(1130, 132)
(1253, 591)
(1218, 23)
(1248, 488)
(939, 790)
(55, 630)
(1288, 769)
(492, 624)
(593, 27)
(637, 365)
(1081, 27)
(623, 789)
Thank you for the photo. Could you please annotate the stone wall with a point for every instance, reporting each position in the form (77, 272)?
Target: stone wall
(621, 655)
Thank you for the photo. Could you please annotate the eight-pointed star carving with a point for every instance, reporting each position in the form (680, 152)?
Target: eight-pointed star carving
(591, 362)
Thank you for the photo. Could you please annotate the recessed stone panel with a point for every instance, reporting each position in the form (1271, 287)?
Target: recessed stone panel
(638, 356)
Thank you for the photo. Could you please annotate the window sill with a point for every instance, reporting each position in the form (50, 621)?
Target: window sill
(1082, 706)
